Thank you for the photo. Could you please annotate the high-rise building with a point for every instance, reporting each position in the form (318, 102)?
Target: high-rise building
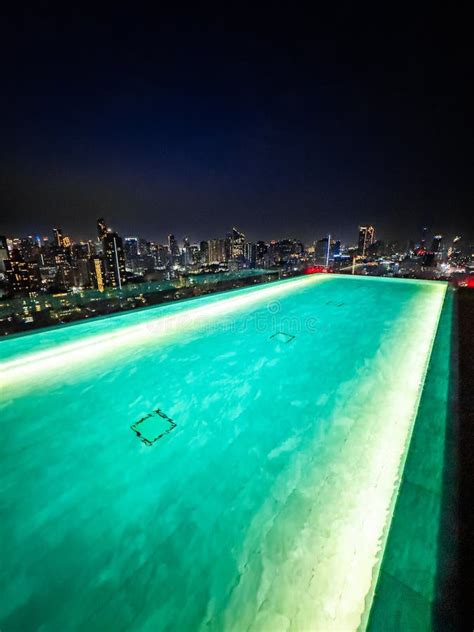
(4, 254)
(187, 255)
(160, 255)
(143, 247)
(322, 251)
(130, 246)
(436, 243)
(97, 270)
(285, 251)
(194, 252)
(204, 252)
(455, 250)
(216, 250)
(262, 250)
(366, 238)
(251, 254)
(237, 244)
(101, 228)
(23, 276)
(81, 273)
(114, 259)
(58, 237)
(173, 249)
(80, 251)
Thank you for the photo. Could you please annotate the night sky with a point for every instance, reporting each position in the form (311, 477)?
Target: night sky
(282, 124)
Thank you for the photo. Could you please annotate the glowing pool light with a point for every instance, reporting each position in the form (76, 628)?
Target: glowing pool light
(266, 507)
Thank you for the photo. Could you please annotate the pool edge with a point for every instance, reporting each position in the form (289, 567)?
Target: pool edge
(370, 596)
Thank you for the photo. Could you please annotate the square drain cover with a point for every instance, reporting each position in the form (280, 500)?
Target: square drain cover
(153, 426)
(281, 336)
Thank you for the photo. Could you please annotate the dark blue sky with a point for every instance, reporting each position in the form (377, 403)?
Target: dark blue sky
(282, 124)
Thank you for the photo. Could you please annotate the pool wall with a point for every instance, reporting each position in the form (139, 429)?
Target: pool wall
(414, 588)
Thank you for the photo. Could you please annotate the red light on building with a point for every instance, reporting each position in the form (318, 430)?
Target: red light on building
(316, 270)
(466, 281)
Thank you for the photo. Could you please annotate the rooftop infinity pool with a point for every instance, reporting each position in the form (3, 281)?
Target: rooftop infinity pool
(225, 463)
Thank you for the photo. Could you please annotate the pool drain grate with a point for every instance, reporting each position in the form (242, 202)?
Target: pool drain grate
(153, 426)
(281, 336)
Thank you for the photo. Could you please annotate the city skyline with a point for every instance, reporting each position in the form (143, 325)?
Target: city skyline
(90, 234)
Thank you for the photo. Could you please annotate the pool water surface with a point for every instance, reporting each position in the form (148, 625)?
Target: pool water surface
(267, 504)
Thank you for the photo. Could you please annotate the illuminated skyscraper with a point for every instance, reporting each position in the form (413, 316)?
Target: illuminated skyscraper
(187, 255)
(173, 249)
(204, 252)
(114, 260)
(366, 238)
(262, 250)
(160, 254)
(101, 228)
(322, 251)
(23, 276)
(58, 237)
(251, 254)
(216, 250)
(97, 270)
(237, 244)
(130, 245)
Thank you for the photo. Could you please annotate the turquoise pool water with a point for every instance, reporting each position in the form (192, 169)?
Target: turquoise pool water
(267, 506)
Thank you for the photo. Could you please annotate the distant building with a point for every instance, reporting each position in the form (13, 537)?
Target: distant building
(58, 237)
(366, 238)
(97, 273)
(321, 251)
(194, 253)
(428, 260)
(251, 254)
(285, 251)
(101, 228)
(436, 244)
(4, 254)
(375, 248)
(144, 247)
(82, 273)
(173, 249)
(204, 252)
(216, 251)
(80, 251)
(114, 259)
(23, 276)
(159, 253)
(237, 244)
(130, 246)
(187, 254)
(262, 254)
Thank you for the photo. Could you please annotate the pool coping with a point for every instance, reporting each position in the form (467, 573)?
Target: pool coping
(369, 599)
(434, 611)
